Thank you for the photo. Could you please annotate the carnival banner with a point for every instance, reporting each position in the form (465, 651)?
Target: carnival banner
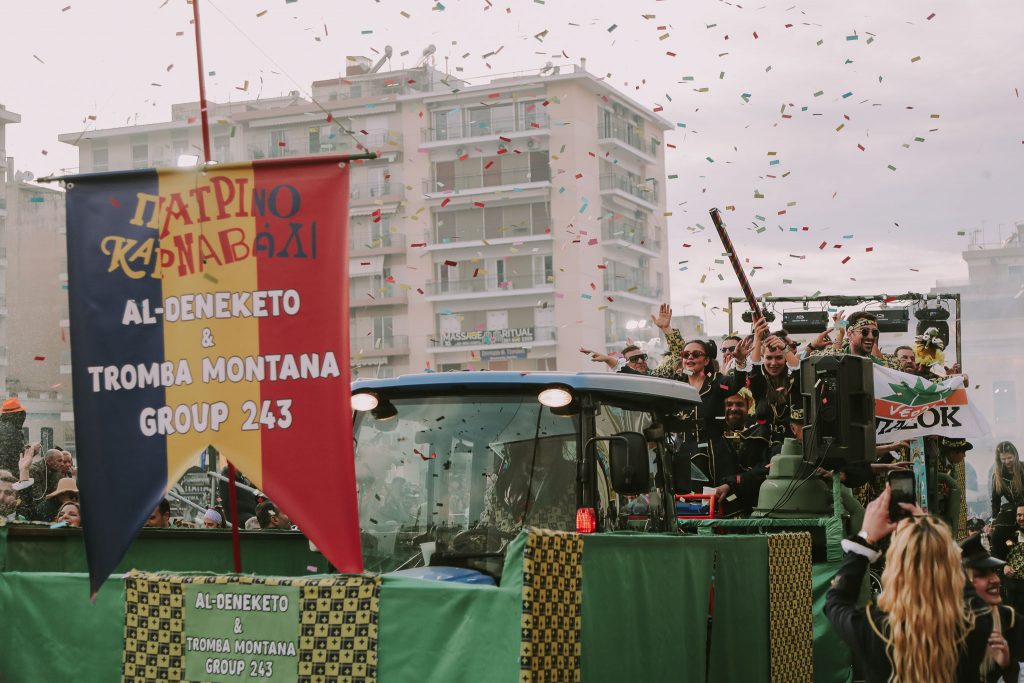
(211, 307)
(908, 406)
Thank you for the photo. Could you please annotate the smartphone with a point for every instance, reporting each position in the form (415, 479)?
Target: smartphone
(904, 490)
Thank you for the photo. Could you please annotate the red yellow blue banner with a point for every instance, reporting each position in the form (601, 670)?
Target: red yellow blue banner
(209, 306)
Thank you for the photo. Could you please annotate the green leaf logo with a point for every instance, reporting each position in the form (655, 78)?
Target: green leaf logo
(917, 395)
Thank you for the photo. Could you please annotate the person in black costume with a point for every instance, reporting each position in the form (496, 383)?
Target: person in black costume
(928, 624)
(775, 384)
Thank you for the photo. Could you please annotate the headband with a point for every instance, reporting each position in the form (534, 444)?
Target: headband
(861, 322)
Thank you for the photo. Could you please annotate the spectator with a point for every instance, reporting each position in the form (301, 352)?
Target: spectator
(10, 505)
(1007, 486)
(633, 361)
(46, 472)
(701, 428)
(212, 519)
(729, 345)
(246, 497)
(749, 445)
(70, 514)
(922, 628)
(983, 574)
(12, 439)
(1014, 570)
(160, 518)
(270, 517)
(862, 339)
(908, 361)
(774, 382)
(66, 491)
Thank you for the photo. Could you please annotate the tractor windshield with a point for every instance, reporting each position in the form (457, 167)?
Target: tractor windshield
(460, 475)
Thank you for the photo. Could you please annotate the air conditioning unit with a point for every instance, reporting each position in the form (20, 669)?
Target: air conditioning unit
(531, 144)
(460, 151)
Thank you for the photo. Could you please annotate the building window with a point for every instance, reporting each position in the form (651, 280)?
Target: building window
(278, 144)
(315, 140)
(99, 159)
(140, 151)
(222, 148)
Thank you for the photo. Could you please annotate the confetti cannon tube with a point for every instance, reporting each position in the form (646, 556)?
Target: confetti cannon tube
(730, 251)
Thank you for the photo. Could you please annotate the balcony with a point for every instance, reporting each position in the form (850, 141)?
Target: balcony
(3, 305)
(484, 286)
(367, 243)
(370, 347)
(631, 289)
(3, 257)
(342, 143)
(363, 193)
(388, 295)
(3, 356)
(535, 124)
(627, 138)
(631, 232)
(479, 183)
(630, 188)
(3, 207)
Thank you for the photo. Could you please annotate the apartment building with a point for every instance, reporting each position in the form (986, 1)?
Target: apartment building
(501, 226)
(35, 358)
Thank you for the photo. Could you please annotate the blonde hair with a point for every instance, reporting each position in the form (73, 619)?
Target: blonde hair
(922, 594)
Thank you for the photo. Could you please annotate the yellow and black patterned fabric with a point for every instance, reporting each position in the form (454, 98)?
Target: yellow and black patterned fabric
(337, 626)
(790, 602)
(552, 602)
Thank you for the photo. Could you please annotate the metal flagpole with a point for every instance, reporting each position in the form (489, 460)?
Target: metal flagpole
(204, 119)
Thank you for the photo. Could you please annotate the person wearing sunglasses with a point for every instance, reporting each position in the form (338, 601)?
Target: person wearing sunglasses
(632, 362)
(699, 431)
(729, 345)
(862, 339)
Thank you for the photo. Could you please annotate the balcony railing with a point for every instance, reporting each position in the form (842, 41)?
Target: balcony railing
(447, 235)
(342, 142)
(483, 284)
(618, 284)
(366, 240)
(495, 126)
(610, 181)
(376, 295)
(396, 343)
(624, 133)
(481, 180)
(382, 188)
(628, 230)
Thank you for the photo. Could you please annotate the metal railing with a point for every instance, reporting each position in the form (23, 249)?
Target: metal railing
(445, 234)
(626, 134)
(485, 284)
(366, 239)
(628, 230)
(388, 342)
(481, 180)
(342, 142)
(618, 284)
(376, 294)
(495, 126)
(611, 181)
(382, 188)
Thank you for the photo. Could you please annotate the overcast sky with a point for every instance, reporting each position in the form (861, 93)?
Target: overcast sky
(931, 89)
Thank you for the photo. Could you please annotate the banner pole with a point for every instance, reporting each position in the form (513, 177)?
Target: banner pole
(730, 251)
(204, 116)
(204, 119)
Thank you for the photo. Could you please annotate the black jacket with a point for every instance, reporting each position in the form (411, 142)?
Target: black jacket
(857, 625)
(774, 415)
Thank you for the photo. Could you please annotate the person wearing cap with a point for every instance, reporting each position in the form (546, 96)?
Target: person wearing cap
(212, 519)
(983, 576)
(12, 439)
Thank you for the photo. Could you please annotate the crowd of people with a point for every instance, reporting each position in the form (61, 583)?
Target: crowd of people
(751, 402)
(39, 487)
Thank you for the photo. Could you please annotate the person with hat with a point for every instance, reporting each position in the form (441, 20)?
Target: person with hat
(12, 439)
(983, 576)
(66, 491)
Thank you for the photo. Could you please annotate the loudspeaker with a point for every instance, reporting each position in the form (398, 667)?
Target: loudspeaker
(839, 409)
(748, 316)
(799, 322)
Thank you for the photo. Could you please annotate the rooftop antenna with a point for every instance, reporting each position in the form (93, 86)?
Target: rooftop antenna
(380, 62)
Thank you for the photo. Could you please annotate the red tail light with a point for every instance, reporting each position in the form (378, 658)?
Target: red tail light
(586, 521)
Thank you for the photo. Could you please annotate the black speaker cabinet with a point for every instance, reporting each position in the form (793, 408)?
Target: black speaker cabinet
(839, 409)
